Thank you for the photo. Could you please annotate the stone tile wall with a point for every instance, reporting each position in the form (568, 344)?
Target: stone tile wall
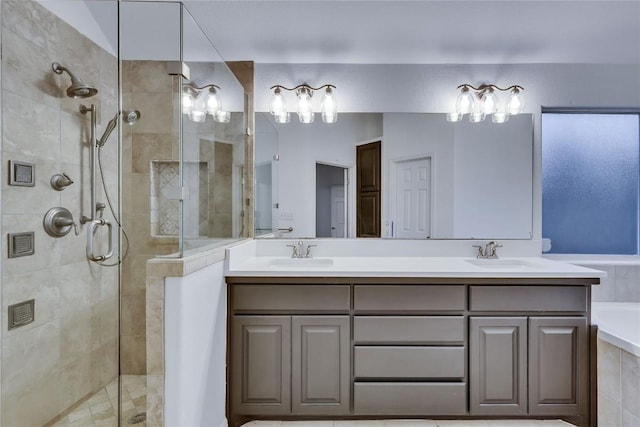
(70, 350)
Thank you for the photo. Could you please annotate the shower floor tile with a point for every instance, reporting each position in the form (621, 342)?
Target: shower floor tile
(101, 409)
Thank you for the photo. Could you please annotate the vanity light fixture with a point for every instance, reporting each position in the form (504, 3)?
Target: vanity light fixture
(198, 102)
(304, 106)
(481, 101)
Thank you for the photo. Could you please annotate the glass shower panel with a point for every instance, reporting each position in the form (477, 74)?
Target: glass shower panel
(266, 217)
(150, 178)
(212, 144)
(60, 317)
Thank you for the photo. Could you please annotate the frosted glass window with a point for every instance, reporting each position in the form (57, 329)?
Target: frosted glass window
(590, 182)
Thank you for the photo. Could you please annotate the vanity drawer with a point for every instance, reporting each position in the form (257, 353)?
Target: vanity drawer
(385, 298)
(409, 329)
(297, 298)
(528, 298)
(412, 398)
(408, 362)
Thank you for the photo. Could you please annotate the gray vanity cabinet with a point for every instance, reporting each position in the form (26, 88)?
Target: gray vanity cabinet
(498, 365)
(320, 365)
(291, 351)
(533, 365)
(262, 369)
(558, 365)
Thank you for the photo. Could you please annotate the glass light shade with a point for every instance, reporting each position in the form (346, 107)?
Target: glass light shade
(465, 101)
(278, 105)
(211, 102)
(305, 109)
(476, 117)
(222, 116)
(489, 102)
(454, 117)
(515, 102)
(329, 107)
(499, 117)
(282, 117)
(187, 102)
(197, 116)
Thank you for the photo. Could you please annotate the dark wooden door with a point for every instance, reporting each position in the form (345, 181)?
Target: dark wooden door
(368, 190)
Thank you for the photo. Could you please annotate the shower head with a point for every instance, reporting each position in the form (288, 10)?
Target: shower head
(78, 88)
(130, 117)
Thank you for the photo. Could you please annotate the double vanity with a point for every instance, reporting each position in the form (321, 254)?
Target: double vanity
(401, 336)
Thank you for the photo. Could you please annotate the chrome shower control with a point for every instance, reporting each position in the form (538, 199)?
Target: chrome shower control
(58, 222)
(60, 181)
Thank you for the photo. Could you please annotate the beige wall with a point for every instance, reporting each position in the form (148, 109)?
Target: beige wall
(70, 350)
(148, 88)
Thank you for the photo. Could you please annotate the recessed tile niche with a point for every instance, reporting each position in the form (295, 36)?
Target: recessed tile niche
(165, 195)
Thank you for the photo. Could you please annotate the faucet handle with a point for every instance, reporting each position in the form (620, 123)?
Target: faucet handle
(480, 251)
(490, 250)
(308, 253)
(295, 251)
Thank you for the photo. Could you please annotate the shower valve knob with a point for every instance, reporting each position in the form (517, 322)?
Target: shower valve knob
(60, 181)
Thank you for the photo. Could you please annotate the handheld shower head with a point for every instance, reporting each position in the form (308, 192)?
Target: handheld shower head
(78, 88)
(130, 117)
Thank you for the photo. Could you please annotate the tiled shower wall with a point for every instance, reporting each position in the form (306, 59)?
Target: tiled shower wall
(148, 88)
(70, 350)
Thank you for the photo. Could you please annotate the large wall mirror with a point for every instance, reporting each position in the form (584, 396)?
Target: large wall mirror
(394, 175)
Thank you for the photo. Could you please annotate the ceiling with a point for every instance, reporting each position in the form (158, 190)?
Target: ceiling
(422, 32)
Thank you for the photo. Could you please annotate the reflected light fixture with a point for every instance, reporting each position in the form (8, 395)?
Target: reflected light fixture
(481, 101)
(304, 106)
(197, 102)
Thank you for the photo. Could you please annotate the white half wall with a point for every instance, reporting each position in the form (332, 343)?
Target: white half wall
(195, 333)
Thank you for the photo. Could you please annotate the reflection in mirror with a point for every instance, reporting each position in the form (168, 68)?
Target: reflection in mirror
(440, 180)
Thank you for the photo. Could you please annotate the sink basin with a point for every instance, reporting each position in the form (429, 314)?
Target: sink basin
(499, 263)
(301, 262)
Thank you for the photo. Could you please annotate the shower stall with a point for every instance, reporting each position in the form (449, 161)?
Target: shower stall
(103, 169)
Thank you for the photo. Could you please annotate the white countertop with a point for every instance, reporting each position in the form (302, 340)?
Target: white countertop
(389, 266)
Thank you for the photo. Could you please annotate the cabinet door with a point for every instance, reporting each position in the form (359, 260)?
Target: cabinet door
(498, 365)
(261, 375)
(320, 365)
(558, 365)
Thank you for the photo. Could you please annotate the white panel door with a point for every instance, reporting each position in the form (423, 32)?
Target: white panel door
(413, 199)
(338, 211)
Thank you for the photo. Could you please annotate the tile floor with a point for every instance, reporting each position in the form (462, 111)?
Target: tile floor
(101, 409)
(413, 423)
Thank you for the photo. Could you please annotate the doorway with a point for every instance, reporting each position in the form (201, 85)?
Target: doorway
(412, 202)
(331, 204)
(368, 162)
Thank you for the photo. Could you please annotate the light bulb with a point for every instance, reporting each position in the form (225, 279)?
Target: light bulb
(222, 116)
(187, 102)
(282, 117)
(454, 117)
(489, 101)
(197, 116)
(329, 106)
(278, 105)
(476, 116)
(514, 104)
(211, 102)
(465, 101)
(305, 109)
(198, 113)
(499, 117)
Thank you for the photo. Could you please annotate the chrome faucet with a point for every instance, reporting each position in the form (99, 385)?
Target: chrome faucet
(488, 251)
(299, 252)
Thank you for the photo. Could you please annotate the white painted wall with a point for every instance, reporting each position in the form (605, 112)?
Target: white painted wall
(195, 348)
